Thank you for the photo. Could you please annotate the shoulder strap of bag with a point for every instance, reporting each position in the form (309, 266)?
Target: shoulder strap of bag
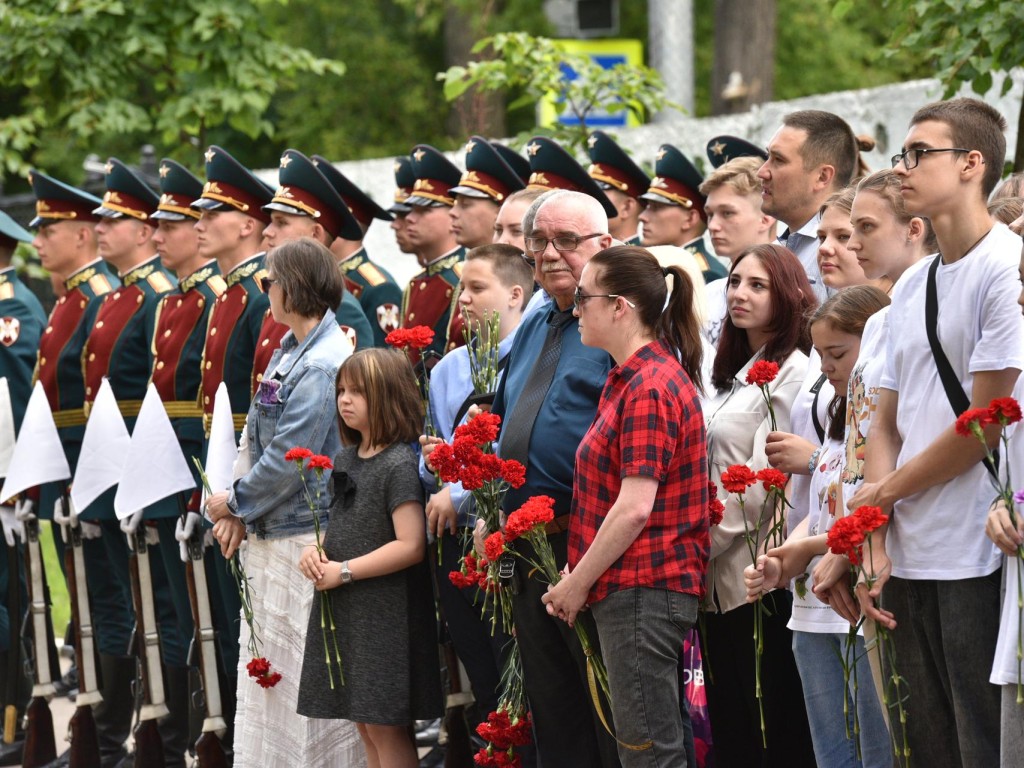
(958, 399)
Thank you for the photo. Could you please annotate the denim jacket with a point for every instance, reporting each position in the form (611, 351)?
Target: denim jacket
(295, 405)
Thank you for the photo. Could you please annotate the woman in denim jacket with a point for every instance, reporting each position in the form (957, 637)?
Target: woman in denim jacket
(294, 406)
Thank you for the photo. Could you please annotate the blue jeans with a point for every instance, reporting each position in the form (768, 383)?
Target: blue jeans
(821, 676)
(944, 642)
(642, 630)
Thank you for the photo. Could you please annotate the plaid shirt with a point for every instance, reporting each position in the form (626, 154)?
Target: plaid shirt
(649, 423)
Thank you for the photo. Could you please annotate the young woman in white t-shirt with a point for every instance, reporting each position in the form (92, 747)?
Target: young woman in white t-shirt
(819, 634)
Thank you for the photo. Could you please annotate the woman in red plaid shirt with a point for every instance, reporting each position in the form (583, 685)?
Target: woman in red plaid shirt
(638, 535)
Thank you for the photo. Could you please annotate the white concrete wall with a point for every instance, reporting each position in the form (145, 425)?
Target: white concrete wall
(883, 113)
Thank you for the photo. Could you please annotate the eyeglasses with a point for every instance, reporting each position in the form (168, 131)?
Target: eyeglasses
(911, 157)
(562, 243)
(529, 260)
(266, 282)
(578, 297)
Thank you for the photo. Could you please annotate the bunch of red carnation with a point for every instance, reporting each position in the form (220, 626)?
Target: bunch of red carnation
(847, 534)
(465, 461)
(716, 509)
(503, 735)
(472, 573)
(417, 337)
(535, 511)
(1002, 411)
(259, 670)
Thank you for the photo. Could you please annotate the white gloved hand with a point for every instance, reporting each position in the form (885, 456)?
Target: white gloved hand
(90, 530)
(152, 535)
(131, 523)
(183, 531)
(25, 510)
(14, 529)
(62, 520)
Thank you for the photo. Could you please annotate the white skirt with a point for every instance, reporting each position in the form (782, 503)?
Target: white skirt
(268, 732)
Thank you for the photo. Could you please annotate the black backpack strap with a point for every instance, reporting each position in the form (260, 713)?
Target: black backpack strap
(816, 389)
(958, 399)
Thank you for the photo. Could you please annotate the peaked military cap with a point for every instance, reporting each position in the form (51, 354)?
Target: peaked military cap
(304, 191)
(551, 167)
(178, 188)
(436, 175)
(676, 181)
(12, 230)
(487, 174)
(405, 178)
(57, 201)
(612, 168)
(515, 161)
(722, 149)
(362, 206)
(230, 186)
(127, 194)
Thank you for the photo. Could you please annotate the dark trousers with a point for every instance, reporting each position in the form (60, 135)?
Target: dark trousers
(945, 636)
(554, 668)
(729, 679)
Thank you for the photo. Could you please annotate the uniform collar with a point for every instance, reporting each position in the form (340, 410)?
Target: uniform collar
(353, 261)
(248, 267)
(141, 272)
(198, 277)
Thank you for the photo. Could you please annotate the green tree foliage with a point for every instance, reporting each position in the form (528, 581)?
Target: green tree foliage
(78, 73)
(965, 41)
(532, 66)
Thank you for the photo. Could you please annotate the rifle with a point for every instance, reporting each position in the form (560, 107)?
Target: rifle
(149, 747)
(40, 746)
(85, 746)
(209, 750)
(14, 659)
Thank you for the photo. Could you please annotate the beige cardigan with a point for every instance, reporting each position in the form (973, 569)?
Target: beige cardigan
(737, 427)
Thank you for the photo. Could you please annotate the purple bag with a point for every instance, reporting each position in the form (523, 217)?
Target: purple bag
(692, 674)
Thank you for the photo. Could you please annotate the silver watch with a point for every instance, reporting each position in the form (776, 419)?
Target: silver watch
(346, 574)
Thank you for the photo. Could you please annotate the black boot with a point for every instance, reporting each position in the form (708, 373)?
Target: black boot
(113, 715)
(174, 727)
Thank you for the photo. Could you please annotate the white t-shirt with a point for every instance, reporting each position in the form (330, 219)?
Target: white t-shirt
(826, 498)
(802, 425)
(940, 532)
(717, 307)
(862, 397)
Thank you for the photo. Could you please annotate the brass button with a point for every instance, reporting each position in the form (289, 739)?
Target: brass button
(117, 295)
(160, 365)
(92, 356)
(167, 333)
(206, 399)
(49, 329)
(99, 323)
(179, 302)
(88, 390)
(213, 331)
(265, 342)
(209, 364)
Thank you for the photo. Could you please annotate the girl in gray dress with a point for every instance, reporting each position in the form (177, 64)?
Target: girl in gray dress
(373, 563)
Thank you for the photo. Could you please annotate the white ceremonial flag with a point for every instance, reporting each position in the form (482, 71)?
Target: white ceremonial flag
(222, 450)
(104, 450)
(156, 467)
(38, 455)
(6, 427)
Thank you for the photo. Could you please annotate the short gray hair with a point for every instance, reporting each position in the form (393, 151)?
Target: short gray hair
(589, 208)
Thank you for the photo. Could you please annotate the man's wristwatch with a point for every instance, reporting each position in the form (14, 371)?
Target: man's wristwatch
(346, 574)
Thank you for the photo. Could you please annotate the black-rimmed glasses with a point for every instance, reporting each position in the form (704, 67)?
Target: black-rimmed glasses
(266, 282)
(578, 297)
(911, 157)
(562, 243)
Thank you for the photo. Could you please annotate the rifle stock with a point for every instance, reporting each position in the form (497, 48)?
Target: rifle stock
(85, 747)
(149, 748)
(209, 749)
(14, 657)
(40, 745)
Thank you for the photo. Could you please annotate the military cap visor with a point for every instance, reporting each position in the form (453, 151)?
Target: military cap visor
(57, 201)
(11, 229)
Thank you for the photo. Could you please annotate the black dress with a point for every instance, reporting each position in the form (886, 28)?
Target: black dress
(385, 626)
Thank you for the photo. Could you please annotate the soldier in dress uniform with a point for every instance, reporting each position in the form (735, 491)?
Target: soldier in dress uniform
(431, 297)
(675, 210)
(306, 205)
(405, 178)
(21, 324)
(230, 230)
(178, 338)
(722, 149)
(485, 185)
(372, 285)
(118, 349)
(623, 181)
(551, 167)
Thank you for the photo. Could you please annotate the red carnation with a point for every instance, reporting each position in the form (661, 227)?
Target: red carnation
(417, 337)
(536, 510)
(513, 472)
(846, 537)
(494, 546)
(298, 454)
(259, 669)
(762, 373)
(482, 428)
(269, 681)
(870, 518)
(1005, 410)
(737, 478)
(772, 479)
(974, 419)
(320, 462)
(716, 509)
